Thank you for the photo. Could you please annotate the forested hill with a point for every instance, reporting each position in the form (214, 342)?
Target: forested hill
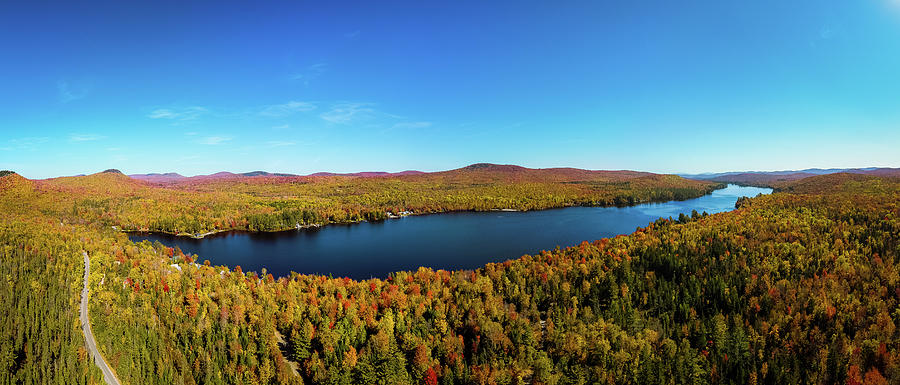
(841, 183)
(785, 179)
(269, 203)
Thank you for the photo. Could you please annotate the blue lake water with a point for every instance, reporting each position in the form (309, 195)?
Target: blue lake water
(450, 241)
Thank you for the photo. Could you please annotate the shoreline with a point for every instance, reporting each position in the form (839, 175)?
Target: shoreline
(404, 214)
(186, 235)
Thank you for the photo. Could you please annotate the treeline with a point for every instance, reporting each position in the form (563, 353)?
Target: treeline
(291, 218)
(287, 217)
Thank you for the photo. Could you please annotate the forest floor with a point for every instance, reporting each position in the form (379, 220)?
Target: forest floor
(108, 375)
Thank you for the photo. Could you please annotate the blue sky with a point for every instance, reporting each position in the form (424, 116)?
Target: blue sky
(300, 87)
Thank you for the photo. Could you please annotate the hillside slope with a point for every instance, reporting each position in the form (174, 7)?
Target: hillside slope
(776, 179)
(268, 202)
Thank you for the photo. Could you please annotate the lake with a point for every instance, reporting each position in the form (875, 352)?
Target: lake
(450, 241)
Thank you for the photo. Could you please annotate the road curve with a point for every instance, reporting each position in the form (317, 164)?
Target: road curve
(108, 375)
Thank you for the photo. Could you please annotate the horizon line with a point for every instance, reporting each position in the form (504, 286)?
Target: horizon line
(468, 165)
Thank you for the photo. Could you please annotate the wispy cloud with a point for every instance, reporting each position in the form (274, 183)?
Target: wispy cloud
(344, 113)
(214, 140)
(412, 125)
(68, 92)
(285, 109)
(281, 127)
(311, 72)
(354, 34)
(85, 137)
(187, 113)
(25, 143)
(280, 143)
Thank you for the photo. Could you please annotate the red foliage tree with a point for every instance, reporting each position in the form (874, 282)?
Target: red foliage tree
(431, 377)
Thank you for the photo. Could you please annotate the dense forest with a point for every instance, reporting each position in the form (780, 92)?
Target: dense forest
(280, 203)
(800, 286)
(40, 263)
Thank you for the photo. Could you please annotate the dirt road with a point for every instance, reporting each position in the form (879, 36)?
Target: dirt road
(108, 374)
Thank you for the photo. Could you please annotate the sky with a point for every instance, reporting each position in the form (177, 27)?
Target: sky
(306, 86)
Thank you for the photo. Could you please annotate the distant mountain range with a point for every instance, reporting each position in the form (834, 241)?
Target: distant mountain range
(477, 170)
(369, 174)
(474, 173)
(811, 171)
(486, 171)
(176, 177)
(772, 178)
(741, 177)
